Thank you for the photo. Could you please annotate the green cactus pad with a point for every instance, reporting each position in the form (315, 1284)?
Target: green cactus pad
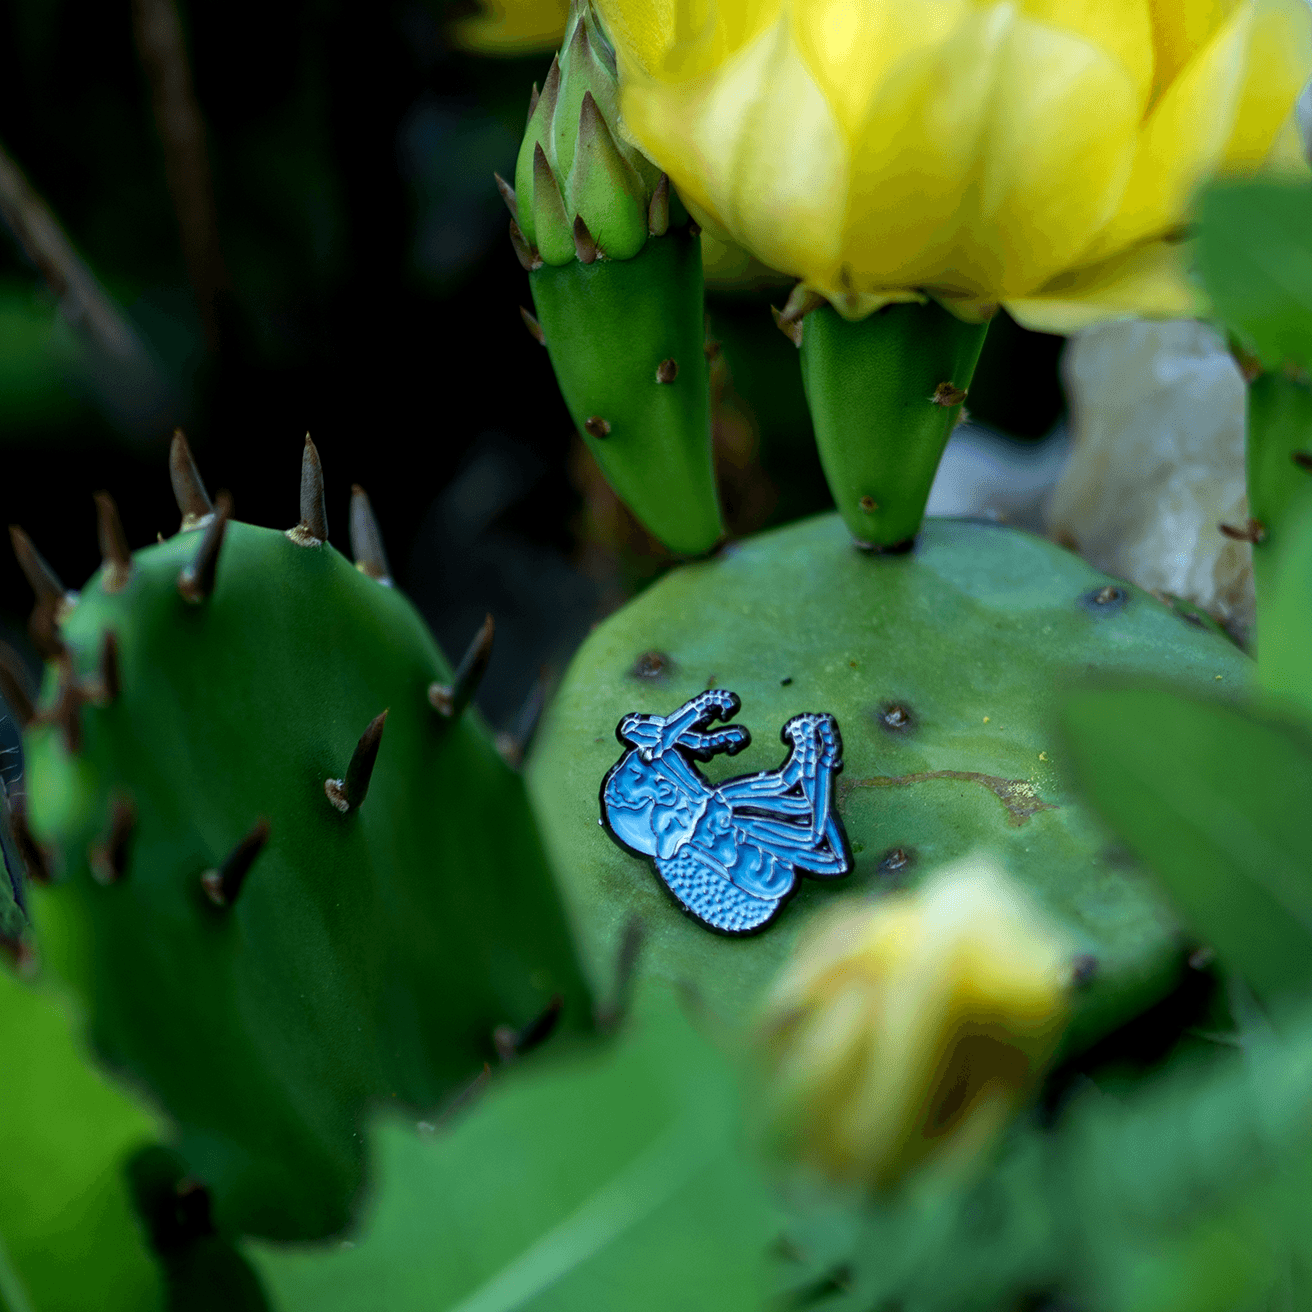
(368, 955)
(943, 668)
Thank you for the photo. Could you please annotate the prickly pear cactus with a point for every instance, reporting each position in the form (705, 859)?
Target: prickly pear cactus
(292, 876)
(942, 668)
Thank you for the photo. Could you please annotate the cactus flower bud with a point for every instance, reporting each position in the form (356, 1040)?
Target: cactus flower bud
(617, 285)
(913, 1026)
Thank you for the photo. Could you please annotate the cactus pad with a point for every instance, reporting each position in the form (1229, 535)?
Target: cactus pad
(264, 944)
(942, 669)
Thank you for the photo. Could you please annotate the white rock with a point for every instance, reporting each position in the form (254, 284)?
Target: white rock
(985, 474)
(1157, 463)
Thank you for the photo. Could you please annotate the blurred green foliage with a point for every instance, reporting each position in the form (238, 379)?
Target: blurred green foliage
(69, 1238)
(1255, 259)
(617, 1179)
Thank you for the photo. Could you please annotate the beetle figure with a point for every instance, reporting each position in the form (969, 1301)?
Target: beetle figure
(730, 853)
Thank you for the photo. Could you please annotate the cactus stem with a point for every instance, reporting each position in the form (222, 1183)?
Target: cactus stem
(222, 885)
(948, 394)
(507, 195)
(348, 794)
(597, 426)
(196, 581)
(312, 531)
(188, 490)
(111, 671)
(658, 208)
(109, 861)
(532, 102)
(511, 1043)
(50, 592)
(13, 686)
(667, 371)
(585, 245)
(534, 328)
(449, 699)
(117, 559)
(528, 258)
(513, 743)
(367, 539)
(791, 328)
(1254, 531)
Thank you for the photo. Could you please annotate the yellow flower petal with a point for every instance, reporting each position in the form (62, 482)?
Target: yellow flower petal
(1013, 145)
(512, 27)
(978, 151)
(757, 148)
(852, 49)
(1279, 55)
(1148, 282)
(1211, 103)
(914, 1025)
(1122, 28)
(1181, 28)
(1058, 144)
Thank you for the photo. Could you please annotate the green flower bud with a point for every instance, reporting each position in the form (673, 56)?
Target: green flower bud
(581, 73)
(607, 193)
(598, 176)
(554, 232)
(537, 133)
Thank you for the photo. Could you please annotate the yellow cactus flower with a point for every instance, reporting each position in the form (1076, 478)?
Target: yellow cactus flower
(1041, 154)
(512, 27)
(912, 1026)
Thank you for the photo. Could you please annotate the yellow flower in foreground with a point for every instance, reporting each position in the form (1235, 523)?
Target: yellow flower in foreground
(512, 27)
(914, 1025)
(1039, 153)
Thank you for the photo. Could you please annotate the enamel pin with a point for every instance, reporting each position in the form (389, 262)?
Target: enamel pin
(730, 853)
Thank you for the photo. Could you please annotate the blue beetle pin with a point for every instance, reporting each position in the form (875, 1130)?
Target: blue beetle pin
(730, 853)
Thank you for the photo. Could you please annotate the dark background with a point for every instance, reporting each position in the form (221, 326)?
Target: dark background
(367, 293)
